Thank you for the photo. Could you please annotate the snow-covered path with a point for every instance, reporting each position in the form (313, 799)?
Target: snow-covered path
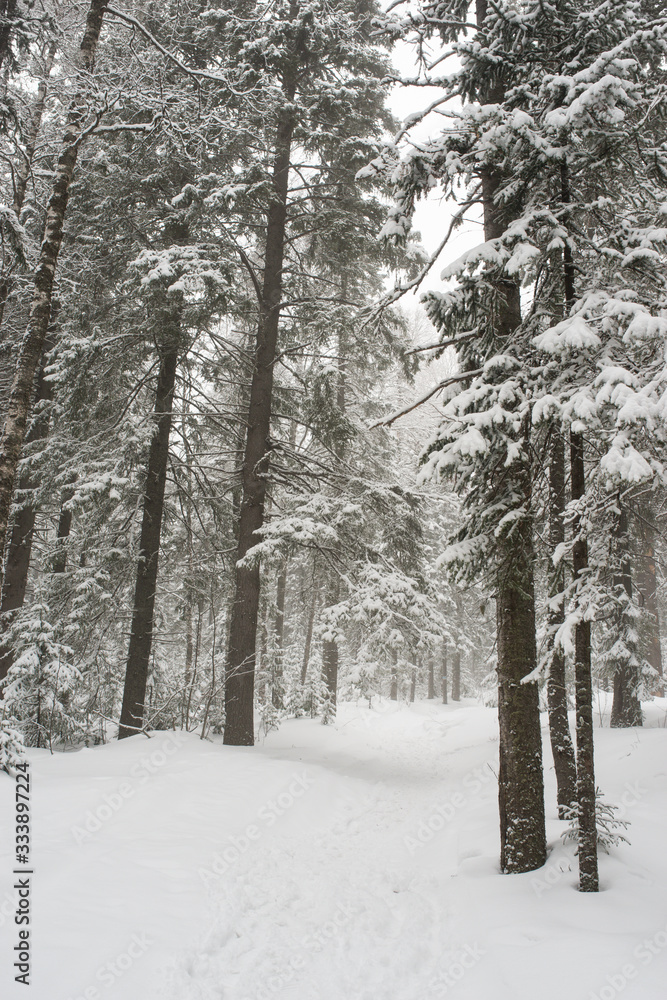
(351, 862)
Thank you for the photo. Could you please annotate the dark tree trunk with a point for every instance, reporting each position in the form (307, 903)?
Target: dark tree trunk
(588, 851)
(520, 784)
(649, 591)
(559, 727)
(240, 668)
(443, 673)
(520, 779)
(19, 549)
(277, 690)
(413, 684)
(330, 659)
(59, 561)
(583, 679)
(22, 173)
(626, 709)
(7, 20)
(32, 346)
(431, 680)
(141, 635)
(456, 673)
(309, 634)
(393, 692)
(456, 660)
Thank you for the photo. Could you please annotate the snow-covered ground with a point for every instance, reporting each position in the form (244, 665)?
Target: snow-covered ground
(350, 862)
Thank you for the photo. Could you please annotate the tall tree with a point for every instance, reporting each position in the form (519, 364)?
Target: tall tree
(32, 346)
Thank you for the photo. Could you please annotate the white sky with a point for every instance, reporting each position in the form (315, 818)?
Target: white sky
(433, 214)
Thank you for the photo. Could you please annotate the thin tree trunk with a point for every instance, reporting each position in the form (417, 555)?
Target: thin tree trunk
(583, 680)
(277, 690)
(7, 19)
(626, 709)
(330, 653)
(559, 728)
(22, 173)
(309, 634)
(240, 668)
(32, 347)
(19, 549)
(431, 679)
(649, 588)
(456, 673)
(413, 684)
(141, 635)
(443, 673)
(59, 561)
(588, 860)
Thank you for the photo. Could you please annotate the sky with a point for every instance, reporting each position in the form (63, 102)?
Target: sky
(433, 214)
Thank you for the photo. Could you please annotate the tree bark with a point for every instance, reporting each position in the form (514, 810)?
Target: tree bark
(520, 778)
(559, 728)
(626, 709)
(32, 346)
(649, 590)
(431, 680)
(583, 680)
(309, 634)
(588, 858)
(141, 634)
(240, 667)
(277, 690)
(443, 673)
(22, 173)
(19, 549)
(59, 560)
(7, 20)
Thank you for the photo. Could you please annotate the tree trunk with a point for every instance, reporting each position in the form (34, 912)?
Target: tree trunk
(559, 728)
(32, 347)
(588, 852)
(413, 684)
(626, 710)
(22, 173)
(431, 680)
(277, 690)
(240, 668)
(649, 590)
(521, 785)
(443, 673)
(330, 659)
(583, 680)
(520, 779)
(141, 635)
(456, 674)
(17, 560)
(7, 19)
(309, 634)
(59, 560)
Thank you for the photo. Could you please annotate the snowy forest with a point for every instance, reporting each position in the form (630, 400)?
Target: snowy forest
(333, 496)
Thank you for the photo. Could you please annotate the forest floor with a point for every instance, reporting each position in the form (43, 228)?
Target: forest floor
(356, 861)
